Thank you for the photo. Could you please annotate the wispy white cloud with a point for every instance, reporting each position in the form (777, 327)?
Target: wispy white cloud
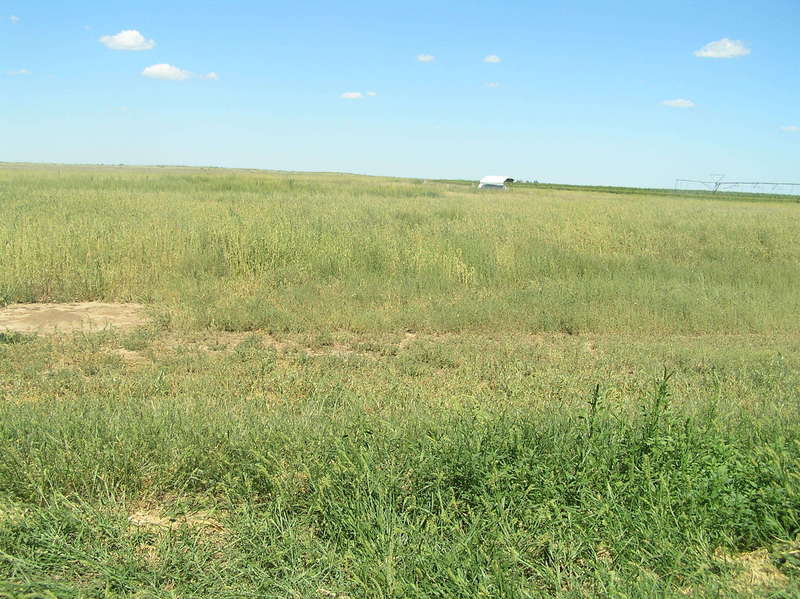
(170, 72)
(724, 48)
(791, 129)
(14, 19)
(167, 72)
(679, 103)
(492, 58)
(493, 84)
(18, 72)
(426, 57)
(357, 95)
(130, 39)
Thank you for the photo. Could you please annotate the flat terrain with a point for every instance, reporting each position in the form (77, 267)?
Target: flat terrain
(295, 252)
(342, 386)
(44, 318)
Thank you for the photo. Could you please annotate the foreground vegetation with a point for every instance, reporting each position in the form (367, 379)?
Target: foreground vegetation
(603, 403)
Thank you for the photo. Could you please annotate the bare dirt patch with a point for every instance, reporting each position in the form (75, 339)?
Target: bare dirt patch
(159, 524)
(224, 342)
(43, 319)
(756, 572)
(154, 519)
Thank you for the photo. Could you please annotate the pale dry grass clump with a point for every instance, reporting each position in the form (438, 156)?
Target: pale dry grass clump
(756, 572)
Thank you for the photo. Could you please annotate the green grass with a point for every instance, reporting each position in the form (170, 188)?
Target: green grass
(253, 250)
(738, 196)
(372, 388)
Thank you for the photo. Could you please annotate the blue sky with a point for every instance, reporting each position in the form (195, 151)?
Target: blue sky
(577, 95)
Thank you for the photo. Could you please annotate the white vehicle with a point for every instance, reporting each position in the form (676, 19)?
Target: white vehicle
(494, 182)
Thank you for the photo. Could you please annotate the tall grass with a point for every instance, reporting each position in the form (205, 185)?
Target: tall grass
(445, 393)
(422, 470)
(301, 252)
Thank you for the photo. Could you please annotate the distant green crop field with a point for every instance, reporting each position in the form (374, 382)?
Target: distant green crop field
(298, 252)
(360, 387)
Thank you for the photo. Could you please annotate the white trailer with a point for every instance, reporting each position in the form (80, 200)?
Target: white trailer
(494, 182)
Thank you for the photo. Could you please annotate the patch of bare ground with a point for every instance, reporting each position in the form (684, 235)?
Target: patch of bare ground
(155, 519)
(227, 342)
(334, 349)
(341, 344)
(755, 573)
(217, 342)
(43, 319)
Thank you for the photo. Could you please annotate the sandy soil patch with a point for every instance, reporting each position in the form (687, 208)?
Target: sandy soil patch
(43, 319)
(144, 518)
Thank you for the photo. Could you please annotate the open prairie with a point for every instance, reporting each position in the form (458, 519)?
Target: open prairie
(341, 386)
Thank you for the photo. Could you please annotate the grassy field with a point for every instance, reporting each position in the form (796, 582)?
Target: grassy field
(249, 250)
(371, 388)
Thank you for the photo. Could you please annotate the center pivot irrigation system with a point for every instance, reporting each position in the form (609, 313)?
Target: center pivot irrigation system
(717, 183)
